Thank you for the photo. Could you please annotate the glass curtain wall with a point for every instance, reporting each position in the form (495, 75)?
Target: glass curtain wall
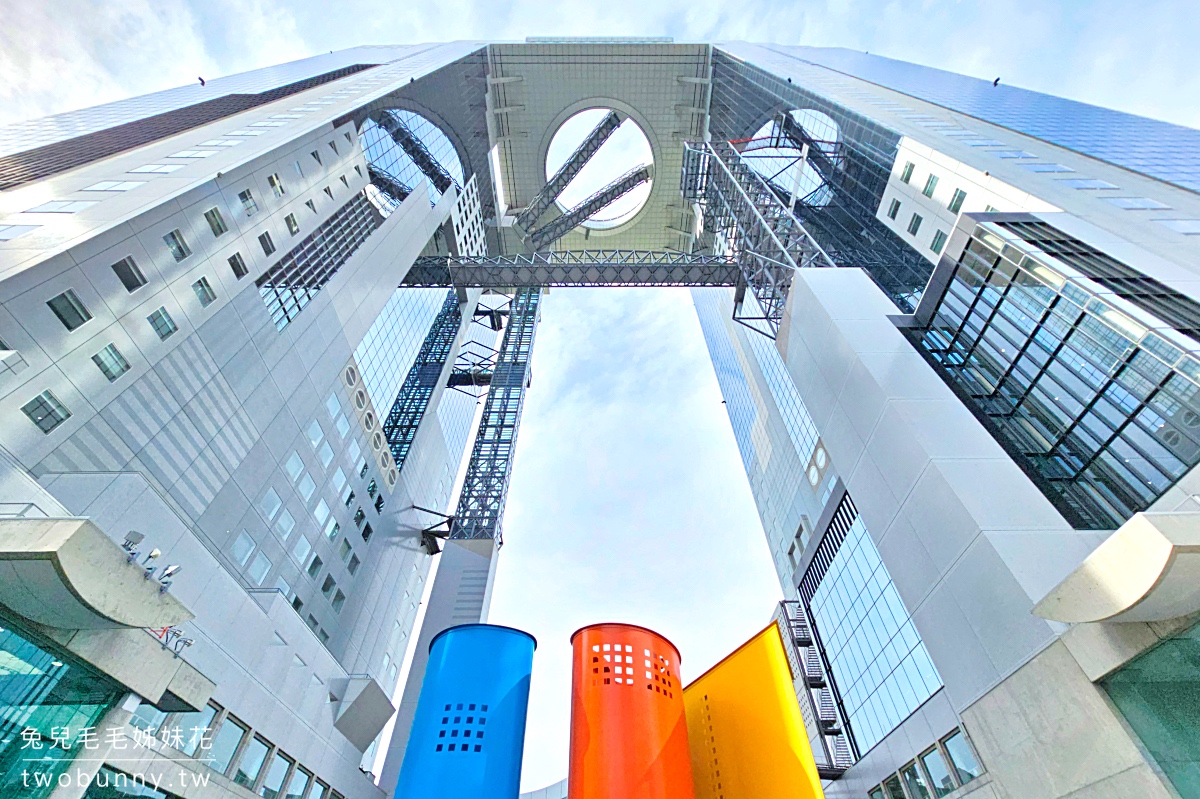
(48, 710)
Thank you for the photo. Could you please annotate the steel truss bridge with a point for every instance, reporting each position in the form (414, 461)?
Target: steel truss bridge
(748, 239)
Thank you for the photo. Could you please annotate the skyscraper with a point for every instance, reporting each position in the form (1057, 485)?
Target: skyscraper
(266, 342)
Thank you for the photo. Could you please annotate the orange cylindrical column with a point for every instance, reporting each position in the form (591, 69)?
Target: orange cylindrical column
(628, 731)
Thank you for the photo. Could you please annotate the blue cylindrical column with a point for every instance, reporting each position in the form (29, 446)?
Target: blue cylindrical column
(469, 730)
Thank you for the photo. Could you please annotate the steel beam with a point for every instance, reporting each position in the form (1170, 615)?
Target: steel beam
(388, 184)
(415, 149)
(485, 489)
(552, 231)
(744, 217)
(575, 268)
(567, 172)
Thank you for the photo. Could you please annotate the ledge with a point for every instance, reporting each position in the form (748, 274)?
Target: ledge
(1148, 570)
(67, 574)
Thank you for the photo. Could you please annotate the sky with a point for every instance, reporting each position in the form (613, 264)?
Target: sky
(628, 500)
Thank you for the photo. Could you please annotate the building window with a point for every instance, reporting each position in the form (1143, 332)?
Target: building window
(939, 775)
(61, 207)
(177, 245)
(265, 240)
(379, 504)
(285, 524)
(276, 184)
(906, 173)
(225, 743)
(914, 224)
(129, 274)
(358, 169)
(328, 586)
(242, 549)
(270, 504)
(204, 292)
(69, 309)
(314, 568)
(46, 411)
(879, 665)
(956, 201)
(930, 186)
(359, 515)
(294, 466)
(216, 222)
(939, 241)
(292, 225)
(312, 206)
(238, 265)
(962, 759)
(306, 487)
(259, 569)
(162, 323)
(345, 182)
(249, 205)
(316, 157)
(353, 565)
(366, 532)
(111, 362)
(299, 171)
(339, 599)
(115, 185)
(893, 209)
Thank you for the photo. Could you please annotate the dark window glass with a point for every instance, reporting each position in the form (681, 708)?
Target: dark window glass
(69, 309)
(177, 245)
(204, 292)
(238, 265)
(216, 222)
(129, 274)
(248, 202)
(265, 240)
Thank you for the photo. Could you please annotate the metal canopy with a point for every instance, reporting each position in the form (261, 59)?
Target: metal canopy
(567, 172)
(575, 268)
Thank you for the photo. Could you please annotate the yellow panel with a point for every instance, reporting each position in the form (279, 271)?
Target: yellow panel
(745, 731)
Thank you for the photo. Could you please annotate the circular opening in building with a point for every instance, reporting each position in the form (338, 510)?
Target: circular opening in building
(625, 152)
(404, 150)
(776, 151)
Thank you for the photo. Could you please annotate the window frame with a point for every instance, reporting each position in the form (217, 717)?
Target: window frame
(133, 271)
(931, 183)
(914, 224)
(74, 304)
(249, 204)
(163, 314)
(957, 200)
(216, 222)
(238, 265)
(177, 245)
(59, 411)
(114, 357)
(266, 242)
